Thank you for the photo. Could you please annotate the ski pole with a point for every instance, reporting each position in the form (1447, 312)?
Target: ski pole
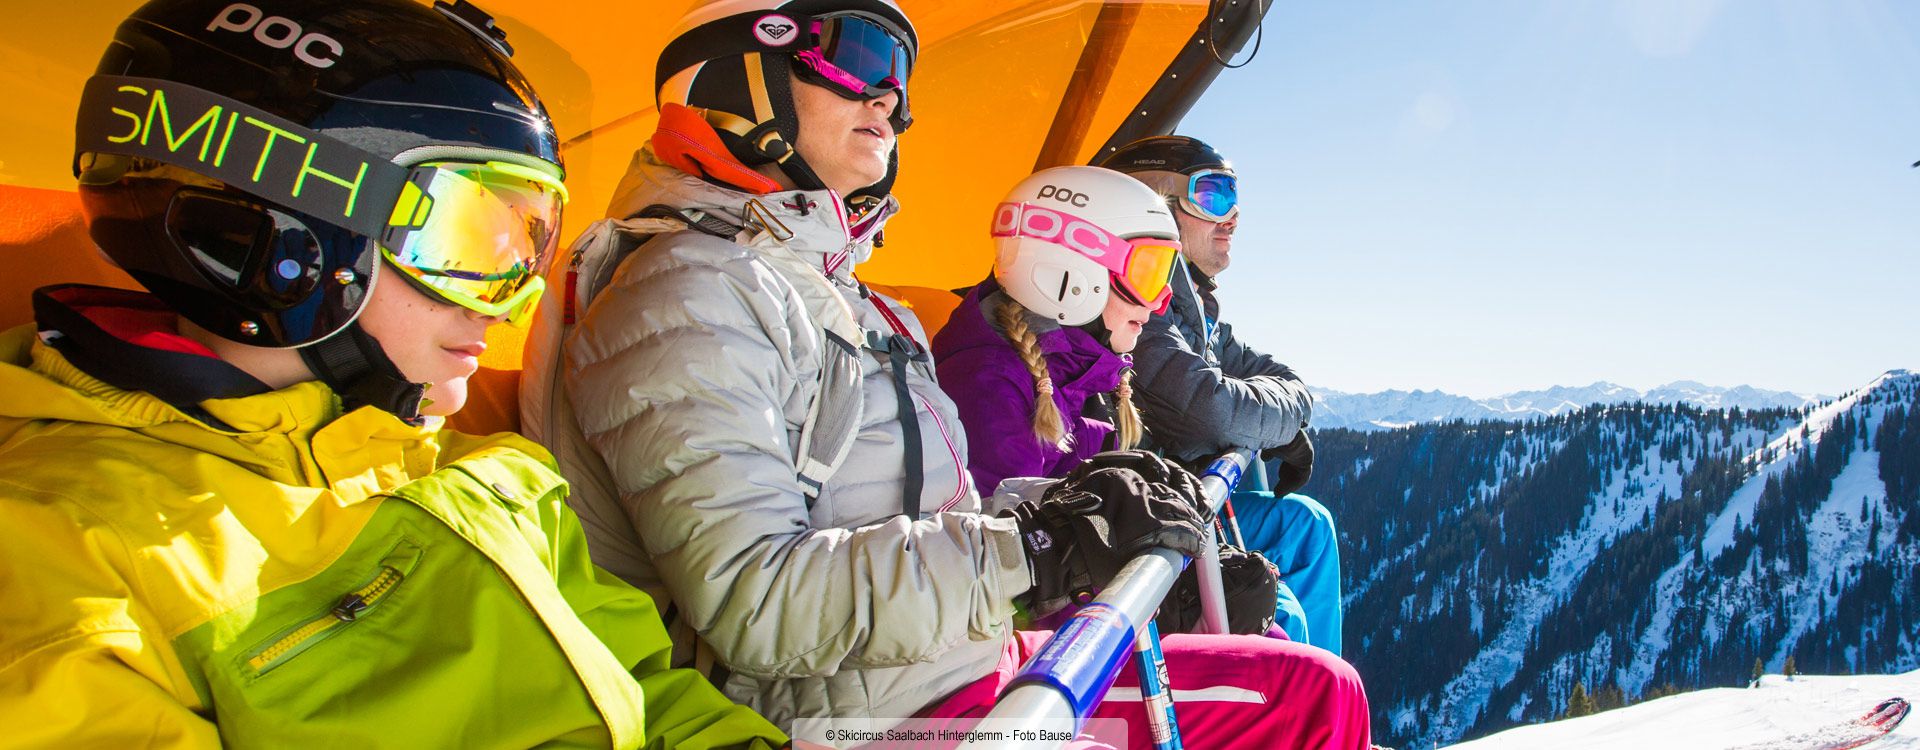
(1233, 523)
(1071, 672)
(1156, 691)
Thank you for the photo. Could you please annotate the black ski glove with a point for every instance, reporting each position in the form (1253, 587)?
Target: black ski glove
(1152, 468)
(1251, 585)
(1101, 515)
(1295, 464)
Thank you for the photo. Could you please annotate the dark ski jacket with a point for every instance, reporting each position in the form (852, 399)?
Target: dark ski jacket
(1201, 395)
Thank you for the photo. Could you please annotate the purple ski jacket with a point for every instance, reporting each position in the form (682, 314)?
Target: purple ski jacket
(978, 367)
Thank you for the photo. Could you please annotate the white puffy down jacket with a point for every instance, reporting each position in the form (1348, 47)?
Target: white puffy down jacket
(688, 380)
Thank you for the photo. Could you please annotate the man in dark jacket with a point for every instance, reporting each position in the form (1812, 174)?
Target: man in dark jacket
(1202, 392)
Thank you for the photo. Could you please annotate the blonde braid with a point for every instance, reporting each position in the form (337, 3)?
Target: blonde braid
(1048, 427)
(1126, 417)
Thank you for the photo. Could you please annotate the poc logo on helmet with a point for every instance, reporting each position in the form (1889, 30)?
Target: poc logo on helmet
(1064, 195)
(278, 32)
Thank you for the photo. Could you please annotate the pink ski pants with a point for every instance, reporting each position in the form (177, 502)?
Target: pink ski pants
(1230, 691)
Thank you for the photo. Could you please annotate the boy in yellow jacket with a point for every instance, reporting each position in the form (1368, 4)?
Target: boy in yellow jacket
(230, 512)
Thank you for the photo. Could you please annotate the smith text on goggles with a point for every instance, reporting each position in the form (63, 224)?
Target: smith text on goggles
(477, 234)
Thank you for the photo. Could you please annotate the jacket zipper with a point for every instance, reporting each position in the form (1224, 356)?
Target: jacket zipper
(345, 612)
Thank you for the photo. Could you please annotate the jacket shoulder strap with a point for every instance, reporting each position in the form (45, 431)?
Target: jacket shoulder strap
(833, 419)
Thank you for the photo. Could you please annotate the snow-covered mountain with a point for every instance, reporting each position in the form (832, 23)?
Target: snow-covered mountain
(1774, 709)
(1630, 550)
(1392, 409)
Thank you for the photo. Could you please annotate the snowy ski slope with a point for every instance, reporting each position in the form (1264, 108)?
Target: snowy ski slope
(1724, 717)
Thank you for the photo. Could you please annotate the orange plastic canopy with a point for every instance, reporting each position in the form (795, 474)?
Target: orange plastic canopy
(1003, 87)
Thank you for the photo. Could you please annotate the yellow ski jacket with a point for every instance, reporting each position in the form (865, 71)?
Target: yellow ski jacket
(308, 578)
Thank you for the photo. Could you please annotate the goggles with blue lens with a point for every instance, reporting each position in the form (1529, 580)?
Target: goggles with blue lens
(859, 58)
(1212, 194)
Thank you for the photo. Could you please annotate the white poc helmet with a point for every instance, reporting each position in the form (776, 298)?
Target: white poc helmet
(1064, 236)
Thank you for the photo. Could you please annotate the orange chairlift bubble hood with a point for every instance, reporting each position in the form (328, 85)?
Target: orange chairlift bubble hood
(1002, 88)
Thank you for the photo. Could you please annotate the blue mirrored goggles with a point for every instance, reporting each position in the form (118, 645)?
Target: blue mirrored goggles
(858, 58)
(863, 49)
(1212, 194)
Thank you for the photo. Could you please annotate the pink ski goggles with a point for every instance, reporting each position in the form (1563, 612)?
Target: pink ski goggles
(1142, 268)
(859, 58)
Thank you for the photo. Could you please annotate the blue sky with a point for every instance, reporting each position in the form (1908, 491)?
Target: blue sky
(1483, 197)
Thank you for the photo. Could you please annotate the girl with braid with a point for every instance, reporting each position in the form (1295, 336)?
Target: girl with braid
(1036, 357)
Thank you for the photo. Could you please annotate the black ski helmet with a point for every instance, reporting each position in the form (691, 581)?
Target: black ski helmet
(379, 83)
(723, 61)
(1165, 153)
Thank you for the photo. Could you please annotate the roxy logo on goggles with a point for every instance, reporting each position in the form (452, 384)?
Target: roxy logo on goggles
(772, 30)
(243, 146)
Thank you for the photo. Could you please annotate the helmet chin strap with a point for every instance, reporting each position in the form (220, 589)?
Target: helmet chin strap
(1098, 329)
(778, 138)
(694, 139)
(354, 366)
(880, 190)
(802, 174)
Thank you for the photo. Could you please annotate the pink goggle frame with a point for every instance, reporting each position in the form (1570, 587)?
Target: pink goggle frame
(1142, 268)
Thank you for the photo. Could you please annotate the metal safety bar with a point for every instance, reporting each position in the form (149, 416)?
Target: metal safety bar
(1069, 675)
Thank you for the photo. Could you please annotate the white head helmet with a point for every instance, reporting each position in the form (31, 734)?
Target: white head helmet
(1065, 235)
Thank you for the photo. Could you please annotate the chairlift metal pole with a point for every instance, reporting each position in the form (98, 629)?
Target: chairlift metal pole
(1069, 675)
(1213, 595)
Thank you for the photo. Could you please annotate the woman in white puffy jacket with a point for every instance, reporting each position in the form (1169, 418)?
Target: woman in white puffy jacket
(760, 441)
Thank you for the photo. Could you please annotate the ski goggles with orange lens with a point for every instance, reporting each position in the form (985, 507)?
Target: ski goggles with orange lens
(1142, 268)
(478, 235)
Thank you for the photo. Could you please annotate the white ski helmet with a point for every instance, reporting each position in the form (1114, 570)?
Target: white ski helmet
(1064, 237)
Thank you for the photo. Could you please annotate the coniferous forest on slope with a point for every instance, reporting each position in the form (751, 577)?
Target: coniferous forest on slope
(1493, 569)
